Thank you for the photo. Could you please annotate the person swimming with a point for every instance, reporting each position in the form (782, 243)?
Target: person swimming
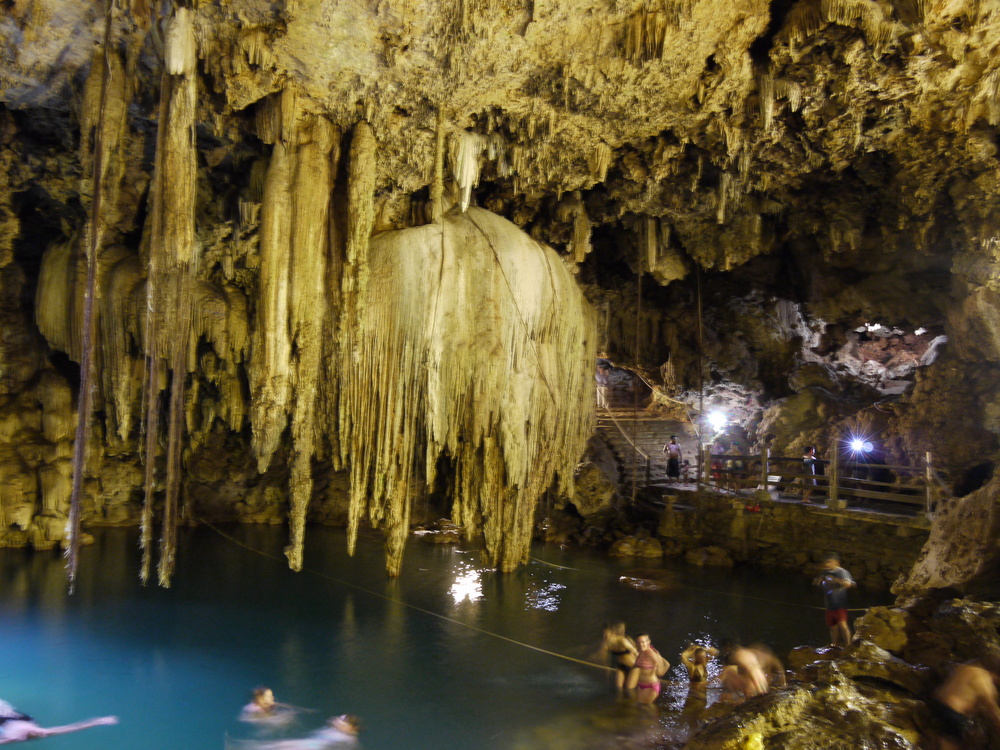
(622, 650)
(695, 660)
(18, 727)
(340, 731)
(264, 709)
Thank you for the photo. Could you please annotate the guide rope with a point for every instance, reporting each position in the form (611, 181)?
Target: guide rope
(342, 582)
(710, 591)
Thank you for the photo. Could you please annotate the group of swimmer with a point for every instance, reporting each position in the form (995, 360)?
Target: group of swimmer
(639, 667)
(262, 710)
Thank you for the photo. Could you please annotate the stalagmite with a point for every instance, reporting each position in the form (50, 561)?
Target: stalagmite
(475, 345)
(172, 264)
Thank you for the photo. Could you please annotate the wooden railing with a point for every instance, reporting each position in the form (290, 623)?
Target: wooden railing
(841, 481)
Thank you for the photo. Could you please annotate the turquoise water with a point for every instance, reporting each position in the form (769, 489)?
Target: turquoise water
(418, 658)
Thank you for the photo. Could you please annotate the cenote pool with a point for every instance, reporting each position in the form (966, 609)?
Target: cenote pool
(438, 658)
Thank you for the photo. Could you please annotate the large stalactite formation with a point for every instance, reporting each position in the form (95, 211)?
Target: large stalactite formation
(342, 247)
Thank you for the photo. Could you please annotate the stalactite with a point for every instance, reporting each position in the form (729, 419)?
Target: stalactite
(599, 161)
(472, 311)
(765, 87)
(169, 286)
(269, 367)
(581, 230)
(437, 184)
(360, 219)
(465, 150)
(121, 373)
(104, 112)
(649, 241)
(313, 184)
(722, 200)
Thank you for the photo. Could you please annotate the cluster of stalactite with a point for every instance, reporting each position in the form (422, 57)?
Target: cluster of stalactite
(462, 344)
(461, 354)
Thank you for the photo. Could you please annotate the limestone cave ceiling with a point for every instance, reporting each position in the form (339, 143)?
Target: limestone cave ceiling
(829, 167)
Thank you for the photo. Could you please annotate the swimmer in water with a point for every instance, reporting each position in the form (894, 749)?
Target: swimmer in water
(18, 727)
(743, 676)
(695, 660)
(263, 709)
(649, 668)
(340, 731)
(622, 649)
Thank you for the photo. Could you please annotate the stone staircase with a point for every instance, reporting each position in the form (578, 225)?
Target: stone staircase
(622, 427)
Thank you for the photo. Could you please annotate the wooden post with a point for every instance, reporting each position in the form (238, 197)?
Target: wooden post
(834, 469)
(706, 462)
(929, 474)
(765, 457)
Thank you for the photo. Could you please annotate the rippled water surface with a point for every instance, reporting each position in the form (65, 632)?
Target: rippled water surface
(448, 655)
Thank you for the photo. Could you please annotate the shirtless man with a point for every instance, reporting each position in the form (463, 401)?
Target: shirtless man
(18, 727)
(969, 690)
(649, 668)
(770, 664)
(743, 676)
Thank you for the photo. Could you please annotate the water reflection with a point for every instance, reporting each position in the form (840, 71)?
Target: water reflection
(468, 586)
(544, 596)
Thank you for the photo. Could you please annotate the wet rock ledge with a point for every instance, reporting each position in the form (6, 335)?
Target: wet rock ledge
(870, 695)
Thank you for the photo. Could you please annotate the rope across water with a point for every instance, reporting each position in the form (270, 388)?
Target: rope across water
(490, 633)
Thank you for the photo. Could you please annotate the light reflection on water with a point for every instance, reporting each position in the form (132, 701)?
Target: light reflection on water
(414, 657)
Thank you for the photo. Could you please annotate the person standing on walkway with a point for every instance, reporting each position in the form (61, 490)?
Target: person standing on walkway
(835, 581)
(672, 451)
(809, 469)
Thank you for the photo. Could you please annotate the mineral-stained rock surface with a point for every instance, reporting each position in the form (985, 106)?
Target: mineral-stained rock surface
(821, 174)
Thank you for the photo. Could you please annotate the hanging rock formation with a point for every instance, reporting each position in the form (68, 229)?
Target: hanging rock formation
(474, 348)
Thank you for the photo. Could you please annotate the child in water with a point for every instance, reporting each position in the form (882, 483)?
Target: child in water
(340, 731)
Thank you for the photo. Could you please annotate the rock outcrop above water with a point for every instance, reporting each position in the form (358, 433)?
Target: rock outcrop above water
(867, 695)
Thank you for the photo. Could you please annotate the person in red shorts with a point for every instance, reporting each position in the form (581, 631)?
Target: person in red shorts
(835, 581)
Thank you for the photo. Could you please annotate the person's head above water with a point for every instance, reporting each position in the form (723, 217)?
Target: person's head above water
(346, 723)
(263, 696)
(613, 629)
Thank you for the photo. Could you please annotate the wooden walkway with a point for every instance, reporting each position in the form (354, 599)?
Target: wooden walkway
(863, 490)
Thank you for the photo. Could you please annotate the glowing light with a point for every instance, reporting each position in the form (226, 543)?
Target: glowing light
(717, 420)
(860, 445)
(467, 587)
